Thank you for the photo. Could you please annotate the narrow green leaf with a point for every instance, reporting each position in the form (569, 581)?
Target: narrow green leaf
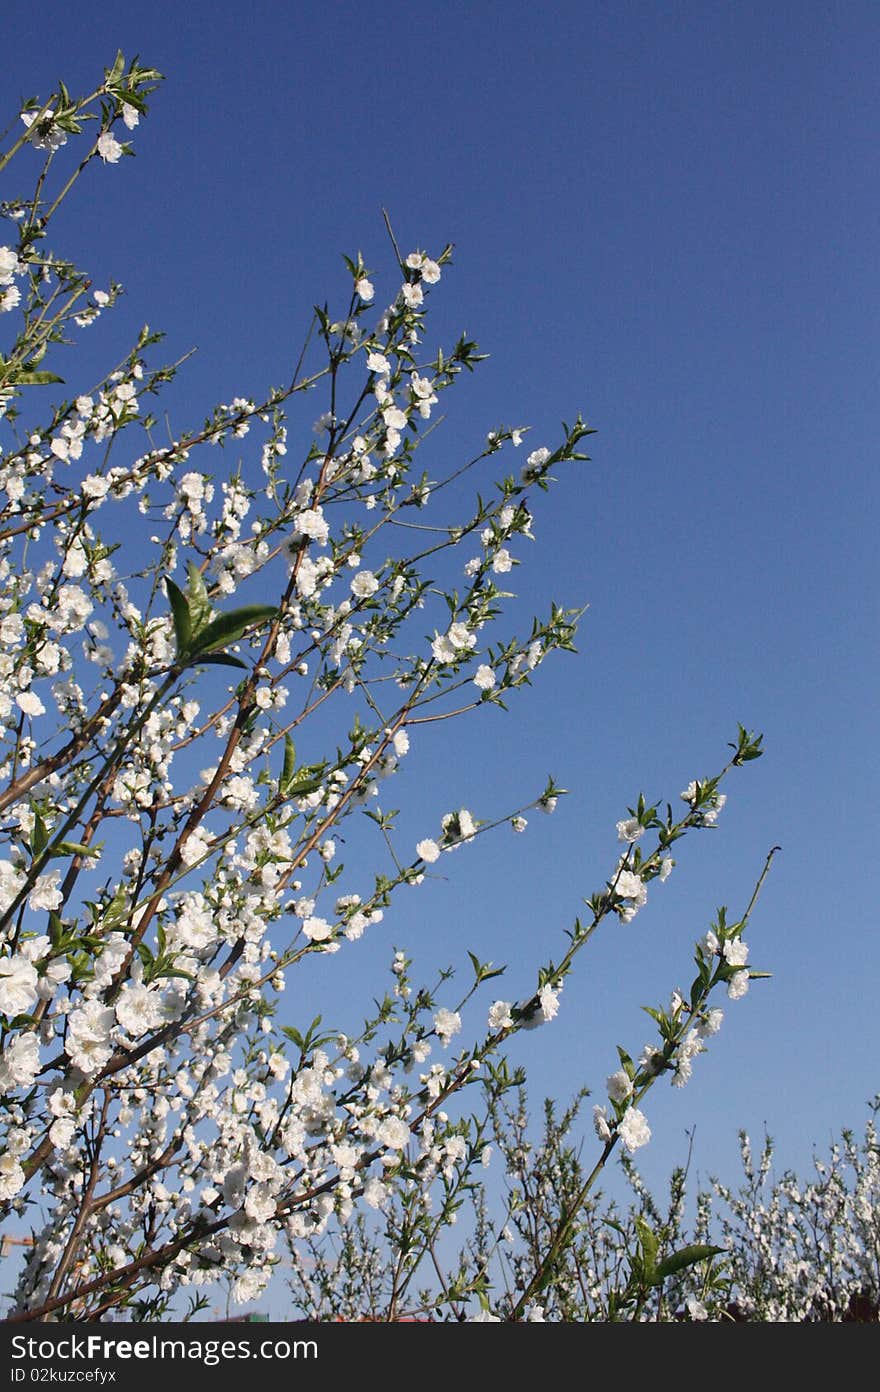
(35, 379)
(649, 1246)
(197, 598)
(289, 764)
(180, 616)
(218, 660)
(685, 1257)
(71, 848)
(307, 780)
(39, 836)
(227, 628)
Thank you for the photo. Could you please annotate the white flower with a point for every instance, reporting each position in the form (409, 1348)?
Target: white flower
(311, 523)
(442, 650)
(248, 1286)
(394, 1133)
(710, 814)
(499, 1015)
(548, 1001)
(364, 584)
(422, 387)
(20, 1062)
(633, 1129)
(30, 703)
(11, 881)
(12, 1176)
(651, 1059)
(535, 463)
(502, 562)
(365, 289)
(736, 952)
(738, 985)
(600, 1122)
(195, 846)
(130, 115)
(629, 885)
(447, 1023)
(88, 1036)
(696, 1309)
(461, 637)
(61, 1131)
(428, 850)
(457, 827)
(317, 929)
(619, 1086)
(484, 677)
(9, 265)
(430, 271)
(375, 1193)
(519, 824)
(711, 1023)
(629, 830)
(95, 486)
(18, 984)
(45, 893)
(109, 148)
(412, 295)
(666, 865)
(138, 1009)
(377, 362)
(45, 135)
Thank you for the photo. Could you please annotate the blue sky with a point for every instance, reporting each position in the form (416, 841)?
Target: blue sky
(665, 216)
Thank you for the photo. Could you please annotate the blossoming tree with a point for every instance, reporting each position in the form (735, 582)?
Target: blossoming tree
(173, 630)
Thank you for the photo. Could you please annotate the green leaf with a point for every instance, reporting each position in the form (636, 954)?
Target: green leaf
(39, 836)
(307, 780)
(227, 628)
(289, 765)
(685, 1257)
(180, 616)
(218, 660)
(649, 1245)
(35, 379)
(197, 598)
(72, 848)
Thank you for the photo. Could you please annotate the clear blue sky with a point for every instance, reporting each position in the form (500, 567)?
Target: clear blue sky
(665, 215)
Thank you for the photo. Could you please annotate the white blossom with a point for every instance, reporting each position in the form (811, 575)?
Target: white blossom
(109, 148)
(18, 984)
(619, 1086)
(447, 1023)
(633, 1129)
(484, 678)
(500, 1016)
(364, 584)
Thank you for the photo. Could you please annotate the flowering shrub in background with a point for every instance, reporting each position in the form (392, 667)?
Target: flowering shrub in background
(176, 628)
(779, 1248)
